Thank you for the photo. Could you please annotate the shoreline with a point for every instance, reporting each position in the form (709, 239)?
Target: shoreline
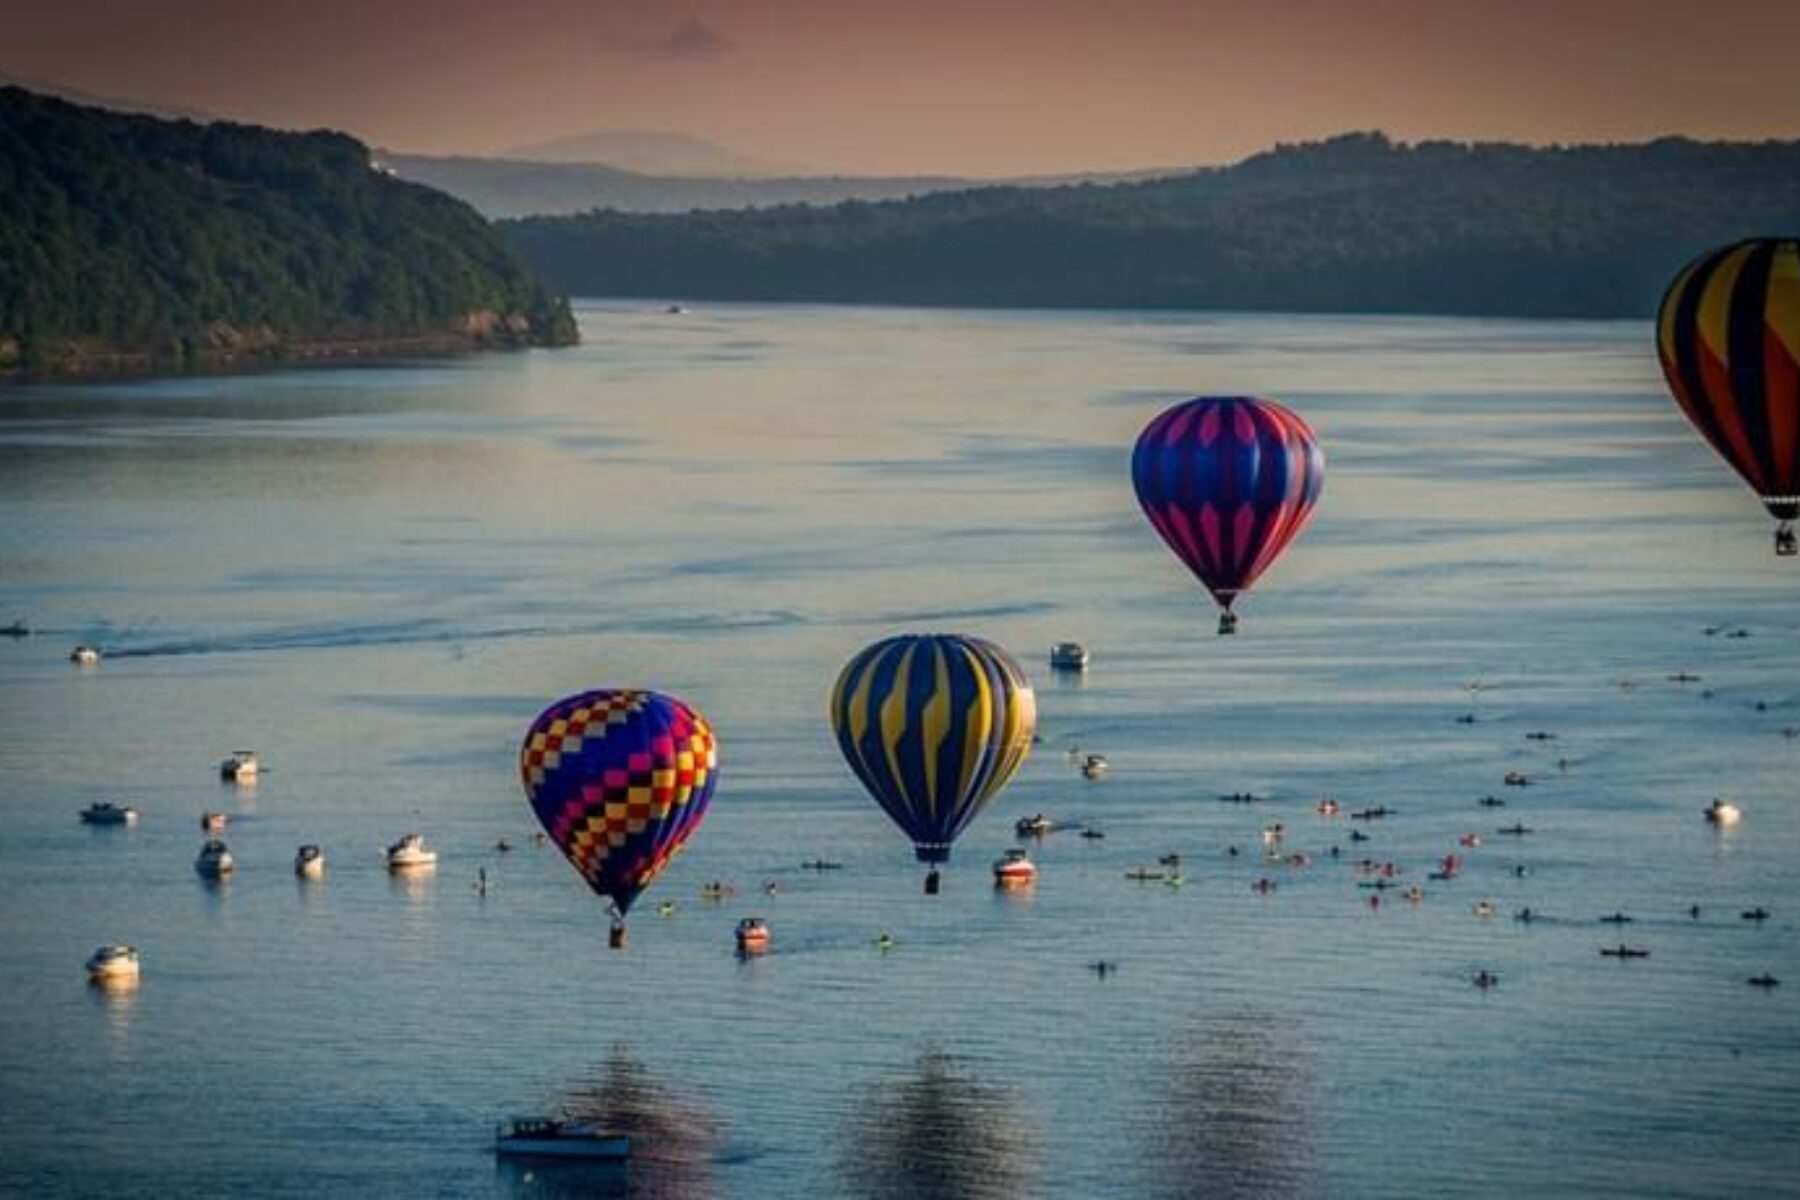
(124, 365)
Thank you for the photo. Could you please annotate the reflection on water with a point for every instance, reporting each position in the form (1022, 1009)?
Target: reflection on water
(1229, 1117)
(939, 1133)
(674, 1137)
(117, 998)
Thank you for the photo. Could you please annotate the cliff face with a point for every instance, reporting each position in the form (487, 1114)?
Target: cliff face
(131, 243)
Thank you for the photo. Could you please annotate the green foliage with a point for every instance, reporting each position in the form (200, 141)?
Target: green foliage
(1354, 224)
(131, 234)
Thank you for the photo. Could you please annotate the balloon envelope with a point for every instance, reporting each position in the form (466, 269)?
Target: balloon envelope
(619, 780)
(934, 726)
(1728, 335)
(1227, 481)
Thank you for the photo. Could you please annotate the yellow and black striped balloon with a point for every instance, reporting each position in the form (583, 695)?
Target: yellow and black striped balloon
(933, 726)
(1728, 335)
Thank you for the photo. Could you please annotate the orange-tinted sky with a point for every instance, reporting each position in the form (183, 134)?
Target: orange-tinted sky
(974, 87)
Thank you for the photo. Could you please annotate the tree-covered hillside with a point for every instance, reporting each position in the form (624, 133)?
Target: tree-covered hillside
(128, 239)
(1355, 224)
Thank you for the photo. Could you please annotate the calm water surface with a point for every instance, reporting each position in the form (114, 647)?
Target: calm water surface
(378, 577)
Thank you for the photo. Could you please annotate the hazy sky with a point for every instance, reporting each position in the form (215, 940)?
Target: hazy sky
(975, 87)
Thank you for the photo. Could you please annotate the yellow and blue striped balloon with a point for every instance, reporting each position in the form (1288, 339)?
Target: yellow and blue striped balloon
(934, 725)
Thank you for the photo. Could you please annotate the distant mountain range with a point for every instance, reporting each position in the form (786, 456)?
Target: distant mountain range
(676, 154)
(1354, 224)
(514, 188)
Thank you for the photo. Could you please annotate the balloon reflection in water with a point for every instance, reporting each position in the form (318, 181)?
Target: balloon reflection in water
(674, 1139)
(1229, 1119)
(938, 1133)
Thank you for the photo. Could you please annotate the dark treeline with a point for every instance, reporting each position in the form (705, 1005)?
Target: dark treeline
(1354, 224)
(129, 237)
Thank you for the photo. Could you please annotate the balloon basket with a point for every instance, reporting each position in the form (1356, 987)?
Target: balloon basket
(616, 937)
(931, 883)
(1227, 623)
(1786, 544)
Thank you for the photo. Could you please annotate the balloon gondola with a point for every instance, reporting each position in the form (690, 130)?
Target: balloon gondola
(1728, 336)
(934, 726)
(1227, 482)
(619, 779)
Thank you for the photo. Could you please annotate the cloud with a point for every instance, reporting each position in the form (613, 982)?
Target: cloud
(690, 39)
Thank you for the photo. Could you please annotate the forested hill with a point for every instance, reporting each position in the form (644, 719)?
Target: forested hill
(131, 242)
(1354, 224)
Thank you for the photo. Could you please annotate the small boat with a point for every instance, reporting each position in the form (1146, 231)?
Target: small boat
(1722, 813)
(1755, 914)
(84, 656)
(1144, 874)
(539, 1137)
(1372, 814)
(1624, 951)
(752, 935)
(215, 861)
(108, 813)
(1684, 677)
(885, 942)
(1326, 807)
(241, 767)
(1541, 735)
(1014, 870)
(17, 629)
(1486, 979)
(1413, 894)
(1516, 779)
(111, 964)
(717, 890)
(1263, 886)
(1491, 802)
(1272, 835)
(1036, 825)
(819, 864)
(1069, 656)
(1484, 908)
(1466, 719)
(1170, 860)
(1765, 980)
(309, 862)
(1094, 766)
(1617, 918)
(410, 854)
(1092, 834)
(1471, 840)
(1357, 835)
(1514, 830)
(213, 822)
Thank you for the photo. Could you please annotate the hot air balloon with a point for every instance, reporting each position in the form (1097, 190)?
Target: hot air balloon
(1728, 335)
(934, 725)
(1228, 481)
(619, 780)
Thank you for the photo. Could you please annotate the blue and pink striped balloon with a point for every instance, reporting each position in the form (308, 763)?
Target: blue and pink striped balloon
(1228, 481)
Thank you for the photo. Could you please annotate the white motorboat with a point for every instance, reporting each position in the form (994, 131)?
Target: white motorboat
(1014, 870)
(309, 862)
(541, 1137)
(215, 861)
(111, 964)
(241, 767)
(410, 854)
(1723, 812)
(84, 656)
(108, 813)
(1094, 766)
(1068, 656)
(1036, 825)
